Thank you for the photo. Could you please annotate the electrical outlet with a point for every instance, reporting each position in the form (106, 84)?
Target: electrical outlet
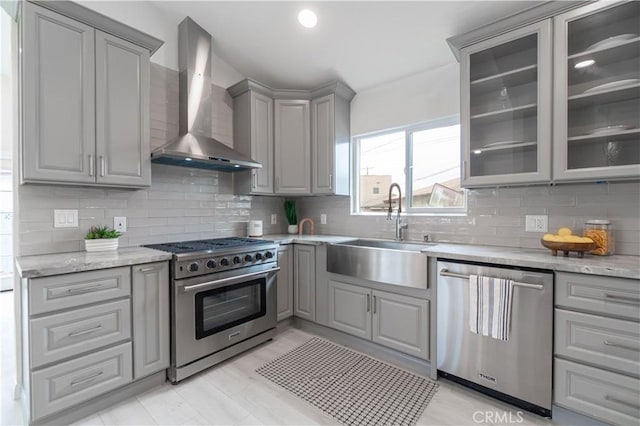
(536, 223)
(65, 218)
(323, 218)
(274, 219)
(120, 223)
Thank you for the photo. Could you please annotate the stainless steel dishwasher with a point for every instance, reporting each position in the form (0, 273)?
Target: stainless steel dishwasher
(518, 370)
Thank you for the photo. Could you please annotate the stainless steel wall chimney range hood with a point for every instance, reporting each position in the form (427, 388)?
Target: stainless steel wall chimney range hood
(195, 147)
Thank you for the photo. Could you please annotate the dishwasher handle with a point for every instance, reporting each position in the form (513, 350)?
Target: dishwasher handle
(444, 272)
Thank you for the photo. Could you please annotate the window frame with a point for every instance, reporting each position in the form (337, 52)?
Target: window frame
(408, 131)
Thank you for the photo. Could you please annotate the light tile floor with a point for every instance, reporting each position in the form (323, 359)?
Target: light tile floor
(233, 393)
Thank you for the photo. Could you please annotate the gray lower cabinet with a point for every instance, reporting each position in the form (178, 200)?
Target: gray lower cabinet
(393, 320)
(596, 346)
(122, 112)
(350, 309)
(85, 98)
(285, 282)
(304, 281)
(73, 382)
(401, 322)
(58, 98)
(151, 326)
(292, 147)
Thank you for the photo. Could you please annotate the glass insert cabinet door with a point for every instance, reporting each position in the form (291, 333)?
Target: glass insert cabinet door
(225, 307)
(506, 108)
(597, 89)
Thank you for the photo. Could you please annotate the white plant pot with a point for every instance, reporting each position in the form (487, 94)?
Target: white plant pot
(105, 244)
(292, 229)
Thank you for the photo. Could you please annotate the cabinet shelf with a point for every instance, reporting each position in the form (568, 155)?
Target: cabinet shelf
(617, 94)
(521, 111)
(603, 136)
(511, 78)
(615, 51)
(514, 146)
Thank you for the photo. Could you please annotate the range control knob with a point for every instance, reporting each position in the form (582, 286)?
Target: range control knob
(236, 260)
(268, 255)
(211, 263)
(258, 256)
(193, 267)
(224, 261)
(248, 258)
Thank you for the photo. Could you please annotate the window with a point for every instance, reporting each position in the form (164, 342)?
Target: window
(423, 159)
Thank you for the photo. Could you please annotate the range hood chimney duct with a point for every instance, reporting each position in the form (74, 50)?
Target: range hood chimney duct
(195, 147)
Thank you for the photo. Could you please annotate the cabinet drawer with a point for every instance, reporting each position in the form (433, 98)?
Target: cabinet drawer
(607, 342)
(607, 295)
(73, 333)
(71, 290)
(72, 382)
(607, 396)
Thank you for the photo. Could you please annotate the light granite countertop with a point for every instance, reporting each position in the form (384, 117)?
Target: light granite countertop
(613, 266)
(65, 263)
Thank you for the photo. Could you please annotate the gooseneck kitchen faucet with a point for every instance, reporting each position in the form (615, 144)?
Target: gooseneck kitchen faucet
(399, 225)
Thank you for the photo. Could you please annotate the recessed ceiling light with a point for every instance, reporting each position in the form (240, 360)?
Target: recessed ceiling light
(187, 159)
(584, 64)
(307, 18)
(477, 151)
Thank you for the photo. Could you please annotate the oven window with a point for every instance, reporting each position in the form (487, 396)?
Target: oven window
(228, 306)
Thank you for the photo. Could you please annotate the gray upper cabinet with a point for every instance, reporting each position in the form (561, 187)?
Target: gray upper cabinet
(506, 108)
(330, 141)
(253, 136)
(150, 306)
(122, 112)
(58, 98)
(597, 92)
(292, 147)
(85, 99)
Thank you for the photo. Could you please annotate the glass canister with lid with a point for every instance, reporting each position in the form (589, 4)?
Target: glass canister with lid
(601, 232)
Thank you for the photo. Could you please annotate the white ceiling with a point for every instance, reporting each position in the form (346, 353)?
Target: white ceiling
(363, 43)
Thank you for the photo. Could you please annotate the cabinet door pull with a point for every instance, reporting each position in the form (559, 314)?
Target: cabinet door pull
(84, 289)
(375, 304)
(87, 331)
(331, 181)
(368, 303)
(464, 170)
(91, 166)
(620, 345)
(622, 299)
(86, 379)
(254, 180)
(102, 166)
(620, 401)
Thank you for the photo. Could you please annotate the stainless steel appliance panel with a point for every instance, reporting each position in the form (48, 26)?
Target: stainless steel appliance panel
(520, 367)
(243, 310)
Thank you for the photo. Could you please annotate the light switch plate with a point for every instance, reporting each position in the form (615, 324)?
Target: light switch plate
(65, 218)
(323, 218)
(536, 223)
(274, 219)
(120, 223)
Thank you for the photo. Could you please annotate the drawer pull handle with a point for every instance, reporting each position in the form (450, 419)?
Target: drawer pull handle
(87, 331)
(234, 334)
(86, 379)
(375, 303)
(153, 268)
(84, 289)
(620, 345)
(368, 303)
(623, 299)
(619, 401)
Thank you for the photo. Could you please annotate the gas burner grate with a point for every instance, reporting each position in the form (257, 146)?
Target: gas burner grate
(205, 245)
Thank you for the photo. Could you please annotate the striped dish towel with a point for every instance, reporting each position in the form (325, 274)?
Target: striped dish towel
(490, 306)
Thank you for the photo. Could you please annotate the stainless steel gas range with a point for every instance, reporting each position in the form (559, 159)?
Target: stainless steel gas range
(223, 300)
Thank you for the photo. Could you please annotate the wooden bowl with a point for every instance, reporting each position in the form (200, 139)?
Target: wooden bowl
(556, 246)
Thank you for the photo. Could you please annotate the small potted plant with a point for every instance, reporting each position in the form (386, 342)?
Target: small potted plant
(101, 238)
(292, 218)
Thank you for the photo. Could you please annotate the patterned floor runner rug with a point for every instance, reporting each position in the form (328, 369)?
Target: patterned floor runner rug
(353, 388)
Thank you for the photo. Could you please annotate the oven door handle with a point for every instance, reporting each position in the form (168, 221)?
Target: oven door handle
(215, 283)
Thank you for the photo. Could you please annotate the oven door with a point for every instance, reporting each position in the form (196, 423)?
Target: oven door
(219, 310)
